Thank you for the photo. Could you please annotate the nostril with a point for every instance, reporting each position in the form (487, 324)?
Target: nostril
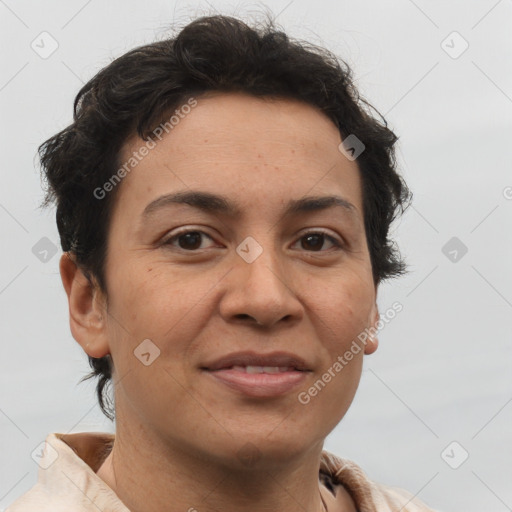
(243, 316)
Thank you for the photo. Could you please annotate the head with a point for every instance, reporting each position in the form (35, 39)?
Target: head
(249, 115)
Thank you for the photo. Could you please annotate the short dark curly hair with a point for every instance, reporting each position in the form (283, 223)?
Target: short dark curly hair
(137, 91)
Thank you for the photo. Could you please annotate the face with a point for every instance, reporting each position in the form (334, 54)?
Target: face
(205, 279)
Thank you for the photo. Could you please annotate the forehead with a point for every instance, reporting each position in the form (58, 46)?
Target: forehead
(239, 145)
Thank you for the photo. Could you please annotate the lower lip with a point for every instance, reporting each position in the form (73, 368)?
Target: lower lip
(263, 385)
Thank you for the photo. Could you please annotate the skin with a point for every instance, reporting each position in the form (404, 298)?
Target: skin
(179, 432)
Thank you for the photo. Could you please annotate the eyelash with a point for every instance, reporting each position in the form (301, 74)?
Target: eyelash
(168, 242)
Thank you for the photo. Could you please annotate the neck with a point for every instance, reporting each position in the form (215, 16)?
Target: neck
(150, 475)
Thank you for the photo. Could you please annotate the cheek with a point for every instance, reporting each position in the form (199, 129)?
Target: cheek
(146, 296)
(163, 304)
(152, 304)
(342, 306)
(329, 395)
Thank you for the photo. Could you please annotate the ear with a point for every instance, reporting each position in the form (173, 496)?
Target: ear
(372, 340)
(87, 308)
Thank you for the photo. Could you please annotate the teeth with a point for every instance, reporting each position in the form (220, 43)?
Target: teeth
(262, 369)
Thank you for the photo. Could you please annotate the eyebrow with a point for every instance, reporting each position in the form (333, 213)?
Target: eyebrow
(213, 203)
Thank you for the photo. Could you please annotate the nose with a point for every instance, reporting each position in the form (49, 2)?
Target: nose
(261, 292)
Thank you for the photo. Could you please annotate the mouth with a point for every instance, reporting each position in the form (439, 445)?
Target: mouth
(261, 369)
(259, 382)
(259, 376)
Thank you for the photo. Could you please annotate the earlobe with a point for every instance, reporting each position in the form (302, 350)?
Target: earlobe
(372, 340)
(87, 315)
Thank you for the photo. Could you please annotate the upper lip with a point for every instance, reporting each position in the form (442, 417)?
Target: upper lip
(282, 359)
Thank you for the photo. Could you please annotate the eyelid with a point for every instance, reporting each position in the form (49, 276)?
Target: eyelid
(325, 231)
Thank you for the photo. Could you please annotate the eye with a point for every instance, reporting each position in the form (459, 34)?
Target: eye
(191, 240)
(314, 240)
(188, 239)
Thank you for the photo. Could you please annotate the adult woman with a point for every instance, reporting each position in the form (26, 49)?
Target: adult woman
(196, 191)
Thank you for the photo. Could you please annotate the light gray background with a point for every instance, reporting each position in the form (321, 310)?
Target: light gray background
(443, 369)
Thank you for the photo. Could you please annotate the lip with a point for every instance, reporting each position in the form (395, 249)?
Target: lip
(262, 385)
(249, 358)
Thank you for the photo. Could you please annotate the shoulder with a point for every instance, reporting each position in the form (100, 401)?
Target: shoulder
(368, 495)
(38, 499)
(66, 478)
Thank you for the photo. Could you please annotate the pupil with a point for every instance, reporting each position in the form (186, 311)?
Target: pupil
(190, 238)
(317, 237)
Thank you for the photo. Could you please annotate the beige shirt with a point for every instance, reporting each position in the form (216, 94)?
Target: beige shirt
(67, 481)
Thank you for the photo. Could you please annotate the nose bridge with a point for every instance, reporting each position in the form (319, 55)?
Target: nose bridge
(261, 261)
